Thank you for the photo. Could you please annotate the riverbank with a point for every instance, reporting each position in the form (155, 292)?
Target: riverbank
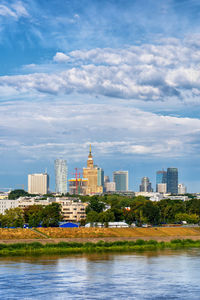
(96, 234)
(37, 248)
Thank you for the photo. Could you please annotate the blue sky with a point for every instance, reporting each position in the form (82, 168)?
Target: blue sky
(121, 75)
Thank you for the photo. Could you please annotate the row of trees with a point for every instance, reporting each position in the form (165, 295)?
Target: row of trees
(140, 210)
(34, 216)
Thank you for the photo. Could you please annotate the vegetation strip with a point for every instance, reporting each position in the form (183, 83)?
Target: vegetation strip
(37, 248)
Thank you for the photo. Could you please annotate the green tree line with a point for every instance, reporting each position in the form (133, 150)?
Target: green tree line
(140, 210)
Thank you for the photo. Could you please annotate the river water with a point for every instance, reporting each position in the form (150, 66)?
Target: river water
(169, 274)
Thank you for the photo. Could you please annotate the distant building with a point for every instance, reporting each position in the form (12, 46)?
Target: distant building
(145, 185)
(73, 210)
(78, 186)
(182, 189)
(110, 186)
(60, 166)
(7, 204)
(161, 188)
(38, 183)
(94, 175)
(161, 177)
(121, 180)
(106, 179)
(172, 180)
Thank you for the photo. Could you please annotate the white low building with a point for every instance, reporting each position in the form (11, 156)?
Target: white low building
(7, 204)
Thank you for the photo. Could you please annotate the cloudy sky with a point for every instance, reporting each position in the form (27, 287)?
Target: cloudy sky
(123, 75)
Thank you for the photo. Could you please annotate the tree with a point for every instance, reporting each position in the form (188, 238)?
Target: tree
(51, 215)
(17, 193)
(13, 217)
(95, 205)
(33, 215)
(189, 218)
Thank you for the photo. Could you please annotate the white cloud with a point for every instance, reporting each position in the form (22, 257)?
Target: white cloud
(44, 130)
(146, 72)
(15, 10)
(61, 57)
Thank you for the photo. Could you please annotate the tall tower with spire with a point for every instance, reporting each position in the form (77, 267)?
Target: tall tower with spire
(94, 176)
(90, 163)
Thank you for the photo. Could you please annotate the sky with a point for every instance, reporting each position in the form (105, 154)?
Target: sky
(121, 75)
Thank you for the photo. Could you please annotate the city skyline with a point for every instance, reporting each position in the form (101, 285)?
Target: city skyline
(124, 78)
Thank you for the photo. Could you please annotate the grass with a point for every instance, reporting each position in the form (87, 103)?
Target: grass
(38, 233)
(37, 248)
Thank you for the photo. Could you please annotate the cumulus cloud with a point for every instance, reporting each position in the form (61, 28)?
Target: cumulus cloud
(146, 72)
(45, 130)
(61, 57)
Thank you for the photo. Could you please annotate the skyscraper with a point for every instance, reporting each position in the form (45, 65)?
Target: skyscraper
(38, 183)
(145, 185)
(121, 180)
(161, 177)
(60, 166)
(172, 180)
(94, 175)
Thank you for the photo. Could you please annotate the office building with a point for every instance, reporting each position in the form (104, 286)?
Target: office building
(60, 166)
(172, 180)
(182, 189)
(145, 185)
(38, 183)
(161, 177)
(94, 175)
(121, 180)
(161, 188)
(110, 186)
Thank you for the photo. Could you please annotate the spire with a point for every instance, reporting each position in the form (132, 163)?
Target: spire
(90, 159)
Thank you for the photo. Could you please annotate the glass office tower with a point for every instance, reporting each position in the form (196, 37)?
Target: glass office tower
(61, 176)
(121, 180)
(172, 180)
(161, 177)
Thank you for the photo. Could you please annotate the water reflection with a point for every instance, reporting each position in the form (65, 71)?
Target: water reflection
(168, 274)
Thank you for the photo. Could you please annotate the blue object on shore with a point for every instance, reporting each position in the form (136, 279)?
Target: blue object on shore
(67, 225)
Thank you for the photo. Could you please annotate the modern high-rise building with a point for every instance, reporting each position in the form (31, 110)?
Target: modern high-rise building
(94, 175)
(161, 177)
(172, 180)
(145, 185)
(60, 166)
(182, 189)
(121, 180)
(38, 183)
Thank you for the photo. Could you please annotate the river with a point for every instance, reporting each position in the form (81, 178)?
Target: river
(168, 274)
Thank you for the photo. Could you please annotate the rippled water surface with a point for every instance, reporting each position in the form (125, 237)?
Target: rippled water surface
(152, 275)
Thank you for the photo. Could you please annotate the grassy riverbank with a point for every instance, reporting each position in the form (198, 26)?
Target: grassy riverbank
(91, 233)
(37, 248)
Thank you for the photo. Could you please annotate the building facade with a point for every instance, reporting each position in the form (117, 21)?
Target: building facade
(73, 210)
(161, 188)
(121, 180)
(38, 183)
(60, 166)
(145, 185)
(172, 180)
(161, 177)
(182, 189)
(7, 204)
(94, 175)
(110, 186)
